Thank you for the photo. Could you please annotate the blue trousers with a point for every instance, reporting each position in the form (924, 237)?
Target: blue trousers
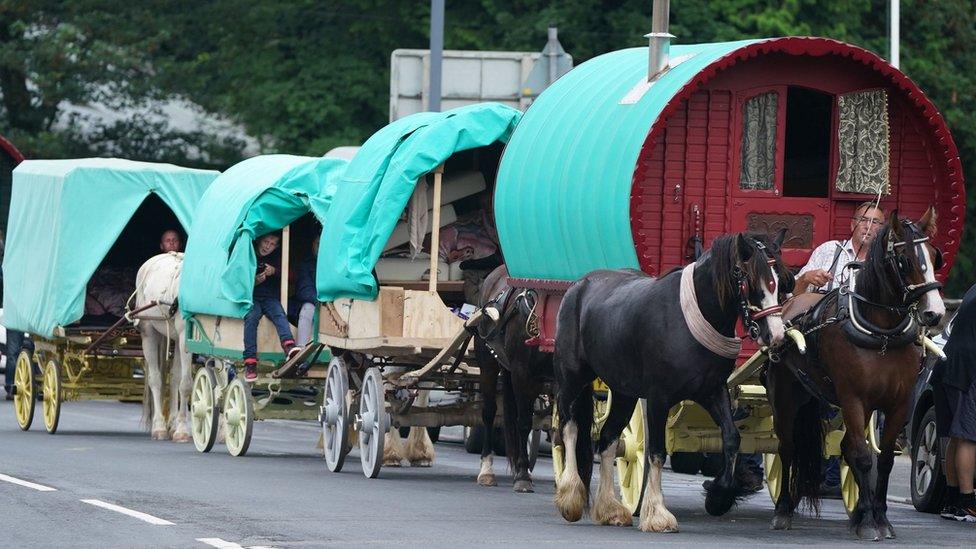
(15, 343)
(271, 308)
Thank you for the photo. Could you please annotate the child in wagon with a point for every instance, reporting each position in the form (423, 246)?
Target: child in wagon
(267, 293)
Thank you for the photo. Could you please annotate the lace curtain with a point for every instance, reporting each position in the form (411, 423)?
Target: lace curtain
(759, 115)
(863, 142)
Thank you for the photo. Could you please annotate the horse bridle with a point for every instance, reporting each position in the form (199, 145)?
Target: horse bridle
(900, 265)
(750, 313)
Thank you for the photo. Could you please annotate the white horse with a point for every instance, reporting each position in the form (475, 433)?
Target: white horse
(158, 281)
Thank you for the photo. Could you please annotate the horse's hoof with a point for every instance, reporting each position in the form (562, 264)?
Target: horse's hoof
(487, 479)
(524, 487)
(182, 437)
(887, 531)
(868, 533)
(660, 520)
(160, 434)
(781, 522)
(390, 462)
(421, 463)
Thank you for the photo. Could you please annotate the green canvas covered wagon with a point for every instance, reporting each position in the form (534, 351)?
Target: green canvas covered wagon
(78, 230)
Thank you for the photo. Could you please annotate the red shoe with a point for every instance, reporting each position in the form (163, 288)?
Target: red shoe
(291, 350)
(250, 369)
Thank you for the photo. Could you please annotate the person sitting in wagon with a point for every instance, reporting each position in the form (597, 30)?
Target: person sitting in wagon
(170, 241)
(825, 269)
(267, 290)
(306, 297)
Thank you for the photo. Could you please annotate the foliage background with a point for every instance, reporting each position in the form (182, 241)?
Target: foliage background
(304, 76)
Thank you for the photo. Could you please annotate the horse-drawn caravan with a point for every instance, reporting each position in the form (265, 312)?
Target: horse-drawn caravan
(257, 197)
(615, 168)
(78, 231)
(386, 312)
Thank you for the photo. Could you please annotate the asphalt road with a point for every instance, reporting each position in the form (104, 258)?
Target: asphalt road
(281, 495)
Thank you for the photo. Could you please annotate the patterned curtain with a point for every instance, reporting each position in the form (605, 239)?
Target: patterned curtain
(759, 115)
(863, 142)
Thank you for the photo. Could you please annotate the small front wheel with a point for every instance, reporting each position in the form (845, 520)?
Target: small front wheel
(51, 386)
(239, 415)
(24, 391)
(204, 409)
(374, 422)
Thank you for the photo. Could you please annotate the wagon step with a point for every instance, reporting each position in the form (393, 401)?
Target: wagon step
(289, 367)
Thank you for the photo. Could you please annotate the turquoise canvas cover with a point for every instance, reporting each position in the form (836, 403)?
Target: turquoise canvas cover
(380, 180)
(254, 197)
(562, 198)
(65, 215)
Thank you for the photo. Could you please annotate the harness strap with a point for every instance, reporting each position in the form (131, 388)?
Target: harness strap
(701, 330)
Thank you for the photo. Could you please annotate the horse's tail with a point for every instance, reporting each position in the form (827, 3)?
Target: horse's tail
(510, 415)
(583, 414)
(806, 470)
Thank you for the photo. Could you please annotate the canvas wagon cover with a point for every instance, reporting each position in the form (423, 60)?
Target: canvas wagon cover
(380, 180)
(562, 199)
(252, 198)
(65, 215)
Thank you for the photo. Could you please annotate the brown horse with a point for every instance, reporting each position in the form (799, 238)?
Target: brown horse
(861, 357)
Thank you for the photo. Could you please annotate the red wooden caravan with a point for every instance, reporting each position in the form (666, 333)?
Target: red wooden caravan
(610, 170)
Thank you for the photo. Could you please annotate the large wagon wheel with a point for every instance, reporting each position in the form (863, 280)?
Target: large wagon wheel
(53, 395)
(630, 464)
(558, 450)
(334, 415)
(24, 391)
(373, 422)
(239, 415)
(204, 408)
(774, 475)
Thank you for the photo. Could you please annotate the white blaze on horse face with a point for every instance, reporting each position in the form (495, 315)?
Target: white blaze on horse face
(773, 322)
(933, 300)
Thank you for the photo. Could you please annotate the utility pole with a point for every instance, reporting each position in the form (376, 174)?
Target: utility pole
(436, 54)
(894, 36)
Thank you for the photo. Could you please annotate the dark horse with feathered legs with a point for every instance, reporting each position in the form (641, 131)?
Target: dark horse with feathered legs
(861, 356)
(631, 331)
(500, 349)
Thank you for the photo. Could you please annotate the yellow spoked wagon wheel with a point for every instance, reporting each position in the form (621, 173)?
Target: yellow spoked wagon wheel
(51, 385)
(630, 465)
(558, 451)
(848, 487)
(204, 409)
(774, 475)
(24, 391)
(602, 399)
(239, 414)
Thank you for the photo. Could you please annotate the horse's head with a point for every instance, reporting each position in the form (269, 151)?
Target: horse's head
(750, 265)
(910, 262)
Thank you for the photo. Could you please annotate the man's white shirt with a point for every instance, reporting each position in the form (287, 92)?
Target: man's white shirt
(823, 257)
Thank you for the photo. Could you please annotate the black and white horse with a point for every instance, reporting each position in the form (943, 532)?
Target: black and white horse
(630, 330)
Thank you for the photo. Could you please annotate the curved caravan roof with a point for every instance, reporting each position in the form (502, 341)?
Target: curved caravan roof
(380, 180)
(65, 216)
(574, 187)
(252, 198)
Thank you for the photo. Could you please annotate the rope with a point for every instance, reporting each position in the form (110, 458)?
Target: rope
(701, 330)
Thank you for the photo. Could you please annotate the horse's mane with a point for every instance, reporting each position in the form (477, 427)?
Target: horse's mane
(872, 279)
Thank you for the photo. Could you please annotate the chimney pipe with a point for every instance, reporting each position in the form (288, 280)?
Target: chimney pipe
(659, 45)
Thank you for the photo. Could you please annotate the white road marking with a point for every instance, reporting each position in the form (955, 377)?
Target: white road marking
(32, 485)
(221, 544)
(135, 514)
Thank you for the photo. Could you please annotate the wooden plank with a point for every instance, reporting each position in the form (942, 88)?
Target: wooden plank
(425, 316)
(285, 250)
(391, 311)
